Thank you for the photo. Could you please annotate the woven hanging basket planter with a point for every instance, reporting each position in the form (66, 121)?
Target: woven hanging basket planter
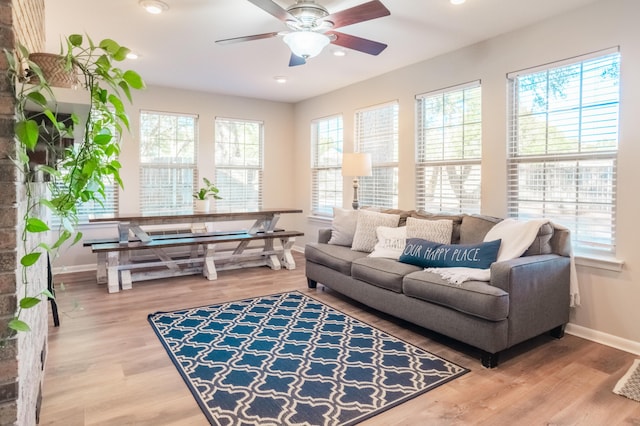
(52, 67)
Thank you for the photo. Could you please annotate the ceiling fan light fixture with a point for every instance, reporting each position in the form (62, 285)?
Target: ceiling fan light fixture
(306, 44)
(154, 7)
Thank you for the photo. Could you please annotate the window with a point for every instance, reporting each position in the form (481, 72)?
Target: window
(239, 158)
(563, 147)
(448, 149)
(326, 173)
(168, 174)
(377, 134)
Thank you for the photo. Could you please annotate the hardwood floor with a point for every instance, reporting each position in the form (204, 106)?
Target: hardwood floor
(105, 365)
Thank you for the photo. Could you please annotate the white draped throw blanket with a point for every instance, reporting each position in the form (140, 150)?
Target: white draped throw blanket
(516, 238)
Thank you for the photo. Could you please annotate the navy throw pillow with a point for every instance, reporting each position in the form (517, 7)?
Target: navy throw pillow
(428, 254)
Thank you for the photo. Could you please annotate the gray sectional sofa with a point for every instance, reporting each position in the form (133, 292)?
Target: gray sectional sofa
(525, 297)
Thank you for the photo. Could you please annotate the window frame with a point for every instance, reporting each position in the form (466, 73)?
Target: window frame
(471, 203)
(225, 204)
(326, 168)
(176, 169)
(595, 237)
(375, 190)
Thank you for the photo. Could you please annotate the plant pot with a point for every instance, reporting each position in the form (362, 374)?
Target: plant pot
(202, 206)
(52, 67)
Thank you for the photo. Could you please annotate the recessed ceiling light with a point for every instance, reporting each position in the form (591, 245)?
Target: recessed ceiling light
(132, 55)
(154, 6)
(280, 79)
(339, 52)
(457, 1)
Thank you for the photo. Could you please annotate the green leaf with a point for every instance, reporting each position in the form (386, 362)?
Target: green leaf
(47, 293)
(64, 236)
(78, 238)
(30, 259)
(75, 39)
(133, 79)
(103, 62)
(125, 88)
(109, 45)
(27, 133)
(29, 302)
(121, 53)
(18, 325)
(38, 98)
(102, 139)
(36, 225)
(117, 103)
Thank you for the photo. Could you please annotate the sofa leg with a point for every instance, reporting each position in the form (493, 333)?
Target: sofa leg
(311, 283)
(489, 360)
(558, 332)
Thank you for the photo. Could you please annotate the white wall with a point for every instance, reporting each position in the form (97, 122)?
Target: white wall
(609, 299)
(278, 155)
(608, 311)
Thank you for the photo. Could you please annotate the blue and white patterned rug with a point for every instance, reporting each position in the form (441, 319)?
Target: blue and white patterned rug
(288, 359)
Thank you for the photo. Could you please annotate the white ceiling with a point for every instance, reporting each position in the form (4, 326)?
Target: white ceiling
(177, 48)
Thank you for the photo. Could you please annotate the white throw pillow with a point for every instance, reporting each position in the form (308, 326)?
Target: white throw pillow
(391, 242)
(438, 231)
(365, 236)
(343, 226)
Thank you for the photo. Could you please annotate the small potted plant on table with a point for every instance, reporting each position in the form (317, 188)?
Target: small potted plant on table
(204, 194)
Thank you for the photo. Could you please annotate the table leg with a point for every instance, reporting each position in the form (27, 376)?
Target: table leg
(209, 266)
(287, 258)
(101, 268)
(113, 283)
(272, 259)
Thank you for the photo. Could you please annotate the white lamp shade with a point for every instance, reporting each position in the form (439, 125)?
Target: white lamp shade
(356, 164)
(306, 44)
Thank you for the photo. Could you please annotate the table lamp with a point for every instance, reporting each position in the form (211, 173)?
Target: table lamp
(356, 164)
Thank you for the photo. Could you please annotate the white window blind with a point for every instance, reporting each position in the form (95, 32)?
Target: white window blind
(239, 163)
(563, 147)
(326, 174)
(449, 149)
(168, 176)
(377, 134)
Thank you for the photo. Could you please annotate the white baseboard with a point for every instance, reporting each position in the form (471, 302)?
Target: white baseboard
(604, 338)
(74, 268)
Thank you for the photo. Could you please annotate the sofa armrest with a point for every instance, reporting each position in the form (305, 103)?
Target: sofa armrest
(538, 288)
(324, 235)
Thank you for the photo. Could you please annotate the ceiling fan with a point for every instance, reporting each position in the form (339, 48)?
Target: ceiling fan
(311, 28)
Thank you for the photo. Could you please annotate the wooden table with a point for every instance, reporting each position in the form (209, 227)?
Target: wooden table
(115, 266)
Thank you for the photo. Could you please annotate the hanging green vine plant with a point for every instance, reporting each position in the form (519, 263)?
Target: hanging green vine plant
(79, 171)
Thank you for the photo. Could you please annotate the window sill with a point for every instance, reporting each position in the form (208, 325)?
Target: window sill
(600, 262)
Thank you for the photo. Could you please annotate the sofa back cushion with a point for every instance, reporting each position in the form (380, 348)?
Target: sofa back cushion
(474, 228)
(456, 220)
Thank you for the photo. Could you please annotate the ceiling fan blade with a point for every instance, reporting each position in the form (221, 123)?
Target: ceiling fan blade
(273, 9)
(246, 38)
(294, 61)
(357, 43)
(364, 12)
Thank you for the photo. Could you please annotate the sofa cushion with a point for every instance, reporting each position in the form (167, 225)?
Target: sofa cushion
(338, 258)
(390, 243)
(381, 272)
(368, 220)
(542, 243)
(343, 226)
(476, 298)
(475, 227)
(435, 255)
(438, 231)
(455, 218)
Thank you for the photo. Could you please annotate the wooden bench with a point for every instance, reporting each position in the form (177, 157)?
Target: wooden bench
(120, 271)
